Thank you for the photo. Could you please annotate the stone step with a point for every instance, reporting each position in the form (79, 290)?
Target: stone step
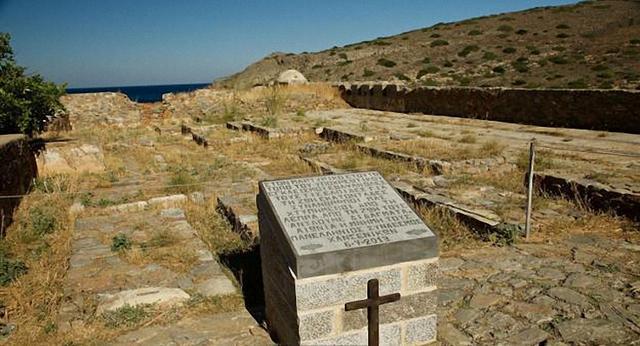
(241, 215)
(483, 221)
(340, 136)
(144, 271)
(262, 131)
(436, 166)
(233, 328)
(591, 193)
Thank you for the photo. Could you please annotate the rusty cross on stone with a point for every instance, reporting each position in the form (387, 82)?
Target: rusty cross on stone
(372, 303)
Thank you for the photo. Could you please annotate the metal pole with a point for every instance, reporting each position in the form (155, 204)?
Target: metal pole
(532, 158)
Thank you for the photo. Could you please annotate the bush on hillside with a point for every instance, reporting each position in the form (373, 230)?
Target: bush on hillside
(438, 43)
(25, 100)
(386, 62)
(467, 50)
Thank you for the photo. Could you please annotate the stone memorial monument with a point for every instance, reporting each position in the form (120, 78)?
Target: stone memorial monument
(345, 261)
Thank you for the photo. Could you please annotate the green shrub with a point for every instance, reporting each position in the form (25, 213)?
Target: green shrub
(332, 53)
(127, 315)
(599, 68)
(316, 66)
(401, 76)
(505, 28)
(426, 60)
(635, 41)
(509, 50)
(42, 220)
(467, 50)
(475, 33)
(10, 269)
(447, 63)
(605, 85)
(604, 75)
(367, 73)
(427, 70)
(439, 43)
(562, 35)
(120, 242)
(381, 43)
(499, 69)
(559, 60)
(562, 26)
(343, 56)
(578, 84)
(521, 65)
(521, 32)
(519, 82)
(489, 56)
(344, 62)
(464, 81)
(26, 100)
(386, 63)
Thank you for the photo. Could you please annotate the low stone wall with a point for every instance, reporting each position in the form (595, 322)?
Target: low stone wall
(17, 170)
(603, 110)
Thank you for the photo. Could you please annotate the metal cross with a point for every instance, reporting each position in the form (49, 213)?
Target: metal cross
(372, 304)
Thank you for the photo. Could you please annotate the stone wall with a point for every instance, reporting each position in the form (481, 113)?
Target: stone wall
(103, 108)
(603, 110)
(17, 170)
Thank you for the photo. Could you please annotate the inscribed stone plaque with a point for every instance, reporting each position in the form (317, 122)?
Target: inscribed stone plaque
(344, 222)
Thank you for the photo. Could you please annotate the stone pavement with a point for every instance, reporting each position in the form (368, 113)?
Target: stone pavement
(235, 328)
(583, 289)
(164, 259)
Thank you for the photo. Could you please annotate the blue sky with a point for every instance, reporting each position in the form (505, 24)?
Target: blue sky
(138, 42)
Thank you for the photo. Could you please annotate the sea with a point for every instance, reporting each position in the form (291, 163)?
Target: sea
(142, 93)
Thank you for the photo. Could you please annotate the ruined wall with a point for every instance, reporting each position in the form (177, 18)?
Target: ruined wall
(16, 173)
(604, 110)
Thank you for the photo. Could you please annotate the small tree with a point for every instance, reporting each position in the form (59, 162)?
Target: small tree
(25, 100)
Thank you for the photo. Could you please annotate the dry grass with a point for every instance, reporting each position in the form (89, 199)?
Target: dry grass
(176, 256)
(452, 234)
(33, 299)
(212, 228)
(350, 158)
(278, 157)
(591, 222)
(437, 149)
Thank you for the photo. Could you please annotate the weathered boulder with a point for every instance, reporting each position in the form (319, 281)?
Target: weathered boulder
(289, 77)
(58, 160)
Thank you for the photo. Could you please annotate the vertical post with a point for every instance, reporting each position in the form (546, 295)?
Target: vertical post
(532, 158)
(372, 313)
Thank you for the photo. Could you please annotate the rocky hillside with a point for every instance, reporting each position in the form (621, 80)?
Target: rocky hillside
(593, 44)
